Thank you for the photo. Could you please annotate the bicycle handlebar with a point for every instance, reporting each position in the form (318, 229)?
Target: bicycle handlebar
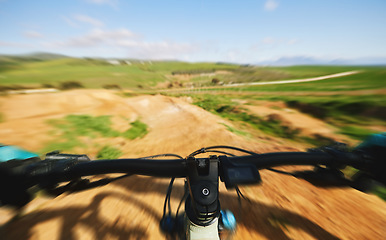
(233, 171)
(178, 167)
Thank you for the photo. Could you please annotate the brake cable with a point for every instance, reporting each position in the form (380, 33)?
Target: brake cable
(204, 150)
(182, 201)
(167, 198)
(163, 155)
(281, 172)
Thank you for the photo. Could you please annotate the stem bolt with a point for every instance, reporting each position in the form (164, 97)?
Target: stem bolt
(205, 191)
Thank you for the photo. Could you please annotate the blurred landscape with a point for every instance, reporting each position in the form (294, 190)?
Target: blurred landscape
(115, 107)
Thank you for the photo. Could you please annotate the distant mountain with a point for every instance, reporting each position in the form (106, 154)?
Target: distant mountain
(8, 62)
(40, 56)
(304, 60)
(289, 61)
(360, 61)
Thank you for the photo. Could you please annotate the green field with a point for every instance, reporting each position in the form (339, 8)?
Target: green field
(95, 73)
(368, 78)
(91, 74)
(48, 70)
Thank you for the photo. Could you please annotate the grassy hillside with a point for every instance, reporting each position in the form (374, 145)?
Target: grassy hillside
(94, 73)
(89, 72)
(42, 69)
(367, 78)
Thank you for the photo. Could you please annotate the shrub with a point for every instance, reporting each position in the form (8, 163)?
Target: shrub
(308, 108)
(47, 85)
(215, 81)
(13, 87)
(70, 85)
(112, 86)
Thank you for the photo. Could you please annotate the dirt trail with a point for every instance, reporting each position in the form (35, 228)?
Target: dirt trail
(296, 80)
(281, 208)
(292, 118)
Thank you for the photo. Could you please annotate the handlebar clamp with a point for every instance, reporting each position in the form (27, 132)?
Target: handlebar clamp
(202, 205)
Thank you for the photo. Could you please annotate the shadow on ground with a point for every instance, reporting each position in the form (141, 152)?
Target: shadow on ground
(268, 220)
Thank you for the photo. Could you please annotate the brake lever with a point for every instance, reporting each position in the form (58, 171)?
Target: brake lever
(324, 177)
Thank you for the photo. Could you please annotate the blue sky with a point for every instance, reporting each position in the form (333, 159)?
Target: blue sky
(200, 30)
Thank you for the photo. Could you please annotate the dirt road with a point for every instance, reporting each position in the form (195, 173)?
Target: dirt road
(295, 80)
(335, 75)
(281, 208)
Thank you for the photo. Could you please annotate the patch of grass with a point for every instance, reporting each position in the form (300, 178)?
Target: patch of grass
(225, 108)
(270, 126)
(85, 125)
(356, 132)
(351, 114)
(71, 127)
(380, 191)
(213, 103)
(108, 152)
(138, 130)
(342, 108)
(128, 94)
(236, 131)
(317, 140)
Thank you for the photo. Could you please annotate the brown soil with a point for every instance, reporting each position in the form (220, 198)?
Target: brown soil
(307, 125)
(281, 208)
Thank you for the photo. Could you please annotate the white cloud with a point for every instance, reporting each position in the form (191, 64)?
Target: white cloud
(70, 22)
(89, 20)
(97, 37)
(128, 42)
(32, 34)
(270, 5)
(159, 50)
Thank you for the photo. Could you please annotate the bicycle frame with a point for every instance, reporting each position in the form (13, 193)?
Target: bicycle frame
(195, 232)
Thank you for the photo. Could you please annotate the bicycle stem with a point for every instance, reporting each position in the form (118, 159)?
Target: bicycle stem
(202, 205)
